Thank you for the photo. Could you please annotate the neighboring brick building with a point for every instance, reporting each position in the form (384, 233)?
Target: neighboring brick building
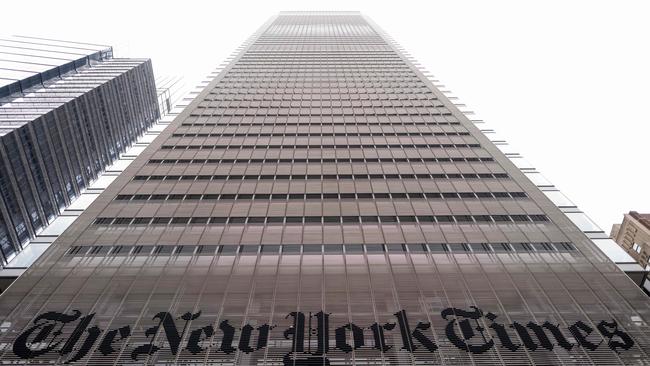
(633, 235)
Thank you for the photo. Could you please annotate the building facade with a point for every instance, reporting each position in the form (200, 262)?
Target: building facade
(321, 202)
(67, 110)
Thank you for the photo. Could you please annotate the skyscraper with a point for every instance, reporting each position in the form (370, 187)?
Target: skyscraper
(321, 202)
(67, 110)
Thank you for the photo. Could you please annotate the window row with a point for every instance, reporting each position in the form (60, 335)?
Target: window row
(307, 75)
(320, 134)
(314, 123)
(326, 128)
(321, 64)
(314, 146)
(334, 73)
(318, 196)
(271, 111)
(323, 91)
(425, 219)
(343, 54)
(320, 176)
(315, 65)
(244, 80)
(317, 160)
(293, 249)
(298, 82)
(319, 96)
(347, 119)
(316, 103)
(306, 37)
(260, 57)
(274, 57)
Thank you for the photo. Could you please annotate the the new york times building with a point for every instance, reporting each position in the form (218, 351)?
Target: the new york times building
(321, 202)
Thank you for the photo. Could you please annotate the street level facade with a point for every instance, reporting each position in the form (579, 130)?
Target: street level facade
(321, 202)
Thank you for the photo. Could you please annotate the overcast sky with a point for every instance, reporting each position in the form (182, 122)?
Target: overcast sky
(566, 82)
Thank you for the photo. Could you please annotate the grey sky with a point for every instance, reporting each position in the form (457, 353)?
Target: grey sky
(566, 82)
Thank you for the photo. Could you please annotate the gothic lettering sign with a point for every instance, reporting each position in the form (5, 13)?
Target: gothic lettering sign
(470, 330)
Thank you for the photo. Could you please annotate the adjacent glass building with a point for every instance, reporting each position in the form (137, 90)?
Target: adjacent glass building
(321, 202)
(67, 110)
